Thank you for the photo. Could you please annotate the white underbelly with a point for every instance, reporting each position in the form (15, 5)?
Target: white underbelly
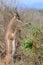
(13, 47)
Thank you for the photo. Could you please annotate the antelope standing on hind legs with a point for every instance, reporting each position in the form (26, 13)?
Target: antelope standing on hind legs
(10, 40)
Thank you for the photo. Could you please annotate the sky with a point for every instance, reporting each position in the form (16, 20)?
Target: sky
(38, 4)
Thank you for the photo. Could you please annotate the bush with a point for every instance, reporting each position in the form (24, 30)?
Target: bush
(27, 43)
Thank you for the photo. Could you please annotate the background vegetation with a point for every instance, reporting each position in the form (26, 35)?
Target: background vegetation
(30, 48)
